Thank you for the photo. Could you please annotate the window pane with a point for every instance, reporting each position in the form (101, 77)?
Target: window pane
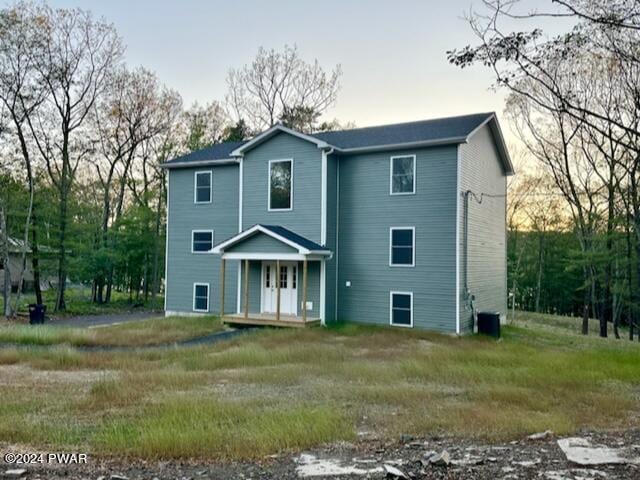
(401, 300)
(294, 278)
(201, 303)
(402, 238)
(203, 180)
(201, 291)
(402, 175)
(267, 274)
(402, 317)
(203, 194)
(283, 277)
(401, 255)
(280, 185)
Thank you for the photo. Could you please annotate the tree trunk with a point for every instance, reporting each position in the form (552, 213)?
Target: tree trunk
(35, 259)
(539, 276)
(585, 306)
(4, 243)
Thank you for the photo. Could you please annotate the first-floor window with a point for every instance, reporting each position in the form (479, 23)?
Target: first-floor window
(201, 241)
(401, 305)
(201, 297)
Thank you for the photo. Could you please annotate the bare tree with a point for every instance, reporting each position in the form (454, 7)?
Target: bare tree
(205, 125)
(22, 39)
(276, 83)
(75, 65)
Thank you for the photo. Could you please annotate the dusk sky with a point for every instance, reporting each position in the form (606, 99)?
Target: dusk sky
(392, 52)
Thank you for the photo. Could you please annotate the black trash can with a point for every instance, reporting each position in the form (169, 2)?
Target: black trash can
(489, 323)
(36, 313)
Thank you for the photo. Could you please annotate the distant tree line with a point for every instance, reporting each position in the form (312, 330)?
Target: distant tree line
(574, 101)
(83, 137)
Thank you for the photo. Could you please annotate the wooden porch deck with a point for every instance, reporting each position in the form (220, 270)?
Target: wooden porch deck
(267, 319)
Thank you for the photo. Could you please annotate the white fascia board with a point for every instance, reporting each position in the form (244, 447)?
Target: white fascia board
(263, 256)
(406, 145)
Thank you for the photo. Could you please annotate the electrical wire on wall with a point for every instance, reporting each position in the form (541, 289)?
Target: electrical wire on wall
(478, 198)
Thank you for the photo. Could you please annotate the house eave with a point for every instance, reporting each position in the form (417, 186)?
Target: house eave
(201, 163)
(404, 145)
(498, 137)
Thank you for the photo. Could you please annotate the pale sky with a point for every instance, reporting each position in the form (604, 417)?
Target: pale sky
(392, 52)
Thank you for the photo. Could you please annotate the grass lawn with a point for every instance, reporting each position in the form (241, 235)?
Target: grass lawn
(291, 389)
(79, 303)
(137, 333)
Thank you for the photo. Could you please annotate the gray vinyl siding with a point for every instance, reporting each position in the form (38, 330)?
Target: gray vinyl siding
(255, 287)
(304, 218)
(261, 243)
(481, 172)
(332, 231)
(221, 215)
(367, 211)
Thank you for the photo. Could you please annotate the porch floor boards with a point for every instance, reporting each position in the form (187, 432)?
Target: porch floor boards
(268, 319)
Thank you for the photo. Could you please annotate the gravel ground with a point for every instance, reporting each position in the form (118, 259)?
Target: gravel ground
(525, 459)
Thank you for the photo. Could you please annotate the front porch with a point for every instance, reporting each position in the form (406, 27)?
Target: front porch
(270, 320)
(279, 278)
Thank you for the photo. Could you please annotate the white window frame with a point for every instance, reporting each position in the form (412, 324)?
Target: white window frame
(193, 232)
(269, 209)
(413, 240)
(200, 284)
(391, 294)
(413, 191)
(195, 186)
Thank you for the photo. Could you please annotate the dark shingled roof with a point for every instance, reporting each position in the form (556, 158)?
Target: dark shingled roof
(220, 151)
(294, 237)
(439, 129)
(422, 131)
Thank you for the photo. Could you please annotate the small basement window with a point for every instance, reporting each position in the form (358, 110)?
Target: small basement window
(402, 246)
(403, 175)
(280, 185)
(401, 306)
(203, 187)
(200, 297)
(201, 241)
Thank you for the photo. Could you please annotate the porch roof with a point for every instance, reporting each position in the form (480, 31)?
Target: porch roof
(277, 243)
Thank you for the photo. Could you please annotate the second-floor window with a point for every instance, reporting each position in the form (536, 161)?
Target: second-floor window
(280, 185)
(402, 247)
(203, 186)
(201, 241)
(403, 175)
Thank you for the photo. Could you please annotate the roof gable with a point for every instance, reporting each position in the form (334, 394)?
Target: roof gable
(280, 234)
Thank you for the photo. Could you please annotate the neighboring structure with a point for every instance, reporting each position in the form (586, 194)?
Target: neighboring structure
(393, 225)
(15, 266)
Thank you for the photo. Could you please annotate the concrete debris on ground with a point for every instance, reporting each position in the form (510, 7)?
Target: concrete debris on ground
(440, 459)
(582, 451)
(395, 473)
(15, 472)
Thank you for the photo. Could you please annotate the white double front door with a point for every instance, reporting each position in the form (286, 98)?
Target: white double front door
(288, 278)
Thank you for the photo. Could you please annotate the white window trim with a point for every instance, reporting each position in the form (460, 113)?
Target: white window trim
(391, 294)
(413, 240)
(197, 284)
(269, 209)
(195, 185)
(212, 242)
(391, 192)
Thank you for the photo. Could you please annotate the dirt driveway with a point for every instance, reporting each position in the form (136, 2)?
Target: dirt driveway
(88, 321)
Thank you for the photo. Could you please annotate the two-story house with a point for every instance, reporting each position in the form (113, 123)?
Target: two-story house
(400, 225)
